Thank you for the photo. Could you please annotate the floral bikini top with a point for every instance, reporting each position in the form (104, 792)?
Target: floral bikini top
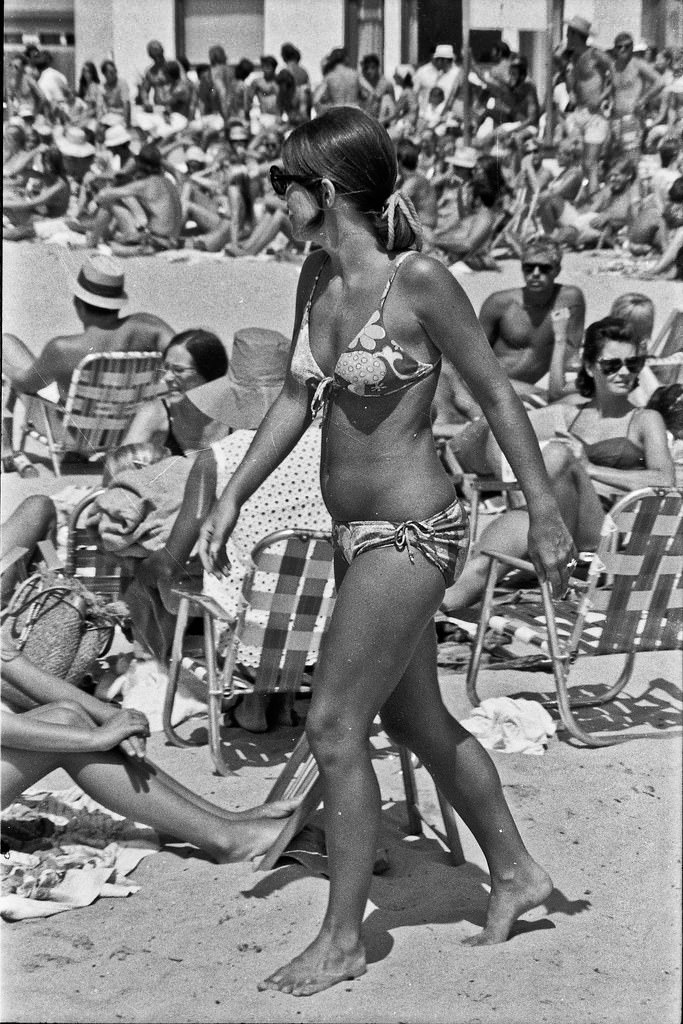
(372, 365)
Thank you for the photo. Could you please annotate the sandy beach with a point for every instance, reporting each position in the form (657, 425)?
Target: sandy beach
(192, 944)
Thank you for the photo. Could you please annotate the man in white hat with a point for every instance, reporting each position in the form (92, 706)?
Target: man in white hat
(441, 70)
(590, 82)
(99, 296)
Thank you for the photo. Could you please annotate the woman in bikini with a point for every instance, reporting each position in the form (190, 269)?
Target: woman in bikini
(400, 536)
(593, 453)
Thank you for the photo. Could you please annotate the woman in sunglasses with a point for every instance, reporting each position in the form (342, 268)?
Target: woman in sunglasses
(593, 454)
(373, 319)
(192, 358)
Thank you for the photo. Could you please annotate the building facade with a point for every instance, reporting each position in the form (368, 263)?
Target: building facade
(397, 30)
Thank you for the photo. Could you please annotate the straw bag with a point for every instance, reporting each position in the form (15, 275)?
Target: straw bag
(59, 625)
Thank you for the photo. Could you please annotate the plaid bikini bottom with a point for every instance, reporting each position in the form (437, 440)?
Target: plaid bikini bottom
(443, 539)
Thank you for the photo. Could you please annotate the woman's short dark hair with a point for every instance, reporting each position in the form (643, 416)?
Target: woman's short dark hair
(108, 64)
(207, 351)
(611, 328)
(407, 154)
(243, 69)
(355, 152)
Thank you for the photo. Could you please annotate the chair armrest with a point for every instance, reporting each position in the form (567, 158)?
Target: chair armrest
(514, 563)
(198, 600)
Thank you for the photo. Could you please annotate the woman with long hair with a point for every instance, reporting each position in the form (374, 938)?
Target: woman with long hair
(373, 319)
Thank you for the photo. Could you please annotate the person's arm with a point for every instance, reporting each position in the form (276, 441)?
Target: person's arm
(35, 687)
(668, 257)
(568, 335)
(447, 317)
(26, 732)
(468, 237)
(43, 196)
(149, 424)
(652, 85)
(47, 367)
(108, 197)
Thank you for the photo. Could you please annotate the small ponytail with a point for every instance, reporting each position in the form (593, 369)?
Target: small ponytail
(399, 225)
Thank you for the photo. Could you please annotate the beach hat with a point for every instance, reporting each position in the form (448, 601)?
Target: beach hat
(111, 118)
(402, 70)
(444, 51)
(74, 143)
(43, 127)
(100, 283)
(26, 110)
(195, 155)
(117, 135)
(237, 131)
(255, 376)
(464, 156)
(580, 25)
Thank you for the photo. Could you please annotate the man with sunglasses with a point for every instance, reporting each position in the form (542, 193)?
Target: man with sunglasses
(535, 330)
(636, 84)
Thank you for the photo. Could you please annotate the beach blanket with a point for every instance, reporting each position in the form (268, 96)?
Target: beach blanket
(62, 850)
(511, 725)
(136, 513)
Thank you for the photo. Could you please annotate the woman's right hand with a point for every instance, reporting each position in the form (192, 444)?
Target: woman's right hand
(120, 727)
(213, 537)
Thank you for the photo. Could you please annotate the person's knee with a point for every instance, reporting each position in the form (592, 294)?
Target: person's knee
(333, 738)
(39, 511)
(558, 458)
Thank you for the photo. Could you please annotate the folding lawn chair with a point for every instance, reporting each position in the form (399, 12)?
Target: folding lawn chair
(286, 605)
(632, 602)
(86, 560)
(106, 389)
(665, 353)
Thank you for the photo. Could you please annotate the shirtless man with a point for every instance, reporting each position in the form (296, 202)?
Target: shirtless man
(534, 330)
(98, 297)
(589, 78)
(146, 211)
(415, 185)
(636, 84)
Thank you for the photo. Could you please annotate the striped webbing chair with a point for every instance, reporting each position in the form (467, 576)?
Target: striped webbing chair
(631, 602)
(105, 391)
(286, 604)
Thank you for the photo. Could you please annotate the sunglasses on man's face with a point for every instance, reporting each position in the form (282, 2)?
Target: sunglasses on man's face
(281, 181)
(543, 268)
(633, 364)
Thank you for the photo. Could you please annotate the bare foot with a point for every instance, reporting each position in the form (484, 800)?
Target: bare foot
(247, 838)
(276, 809)
(509, 898)
(320, 966)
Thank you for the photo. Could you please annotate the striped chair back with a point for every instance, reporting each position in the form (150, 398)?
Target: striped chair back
(105, 391)
(286, 603)
(634, 600)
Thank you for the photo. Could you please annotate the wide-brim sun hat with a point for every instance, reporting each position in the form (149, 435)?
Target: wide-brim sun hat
(100, 283)
(74, 143)
(256, 373)
(464, 156)
(444, 51)
(117, 135)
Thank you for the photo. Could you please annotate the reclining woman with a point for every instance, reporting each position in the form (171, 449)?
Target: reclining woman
(605, 442)
(397, 529)
(48, 723)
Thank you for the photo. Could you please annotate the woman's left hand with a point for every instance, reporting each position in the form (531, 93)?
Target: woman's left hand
(552, 552)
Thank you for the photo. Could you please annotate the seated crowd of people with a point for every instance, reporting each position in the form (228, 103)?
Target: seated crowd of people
(185, 161)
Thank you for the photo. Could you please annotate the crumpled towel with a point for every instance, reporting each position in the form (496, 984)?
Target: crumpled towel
(511, 725)
(73, 850)
(135, 515)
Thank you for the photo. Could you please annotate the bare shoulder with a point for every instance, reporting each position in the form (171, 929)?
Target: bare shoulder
(572, 294)
(498, 302)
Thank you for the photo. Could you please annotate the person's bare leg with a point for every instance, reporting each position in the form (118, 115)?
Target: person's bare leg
(507, 533)
(34, 520)
(137, 790)
(99, 227)
(266, 231)
(415, 716)
(367, 648)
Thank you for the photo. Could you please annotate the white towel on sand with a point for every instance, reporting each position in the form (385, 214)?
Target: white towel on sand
(512, 725)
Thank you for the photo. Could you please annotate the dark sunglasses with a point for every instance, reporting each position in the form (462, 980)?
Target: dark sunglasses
(633, 364)
(543, 268)
(624, 46)
(281, 181)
